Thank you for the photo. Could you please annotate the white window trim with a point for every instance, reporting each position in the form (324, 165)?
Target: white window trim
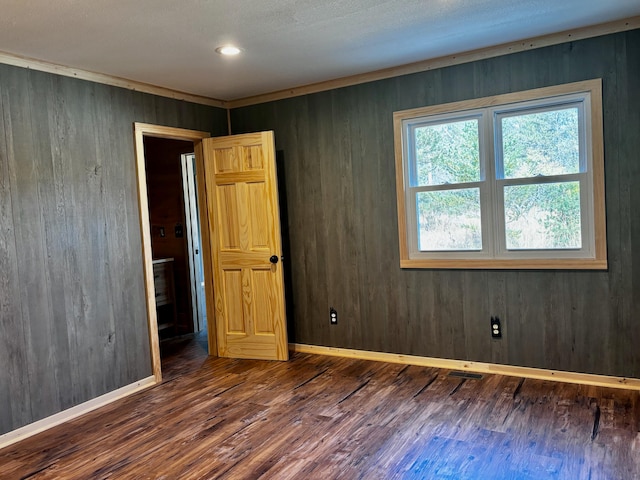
(496, 255)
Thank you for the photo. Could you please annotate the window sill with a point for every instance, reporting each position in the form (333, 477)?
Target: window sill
(510, 264)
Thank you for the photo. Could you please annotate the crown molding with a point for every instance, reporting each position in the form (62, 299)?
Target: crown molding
(445, 61)
(416, 67)
(42, 66)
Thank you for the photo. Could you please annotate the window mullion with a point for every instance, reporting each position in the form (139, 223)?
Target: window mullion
(490, 210)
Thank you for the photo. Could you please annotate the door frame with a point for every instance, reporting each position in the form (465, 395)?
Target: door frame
(194, 247)
(142, 130)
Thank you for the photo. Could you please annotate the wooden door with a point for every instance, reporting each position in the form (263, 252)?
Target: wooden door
(246, 247)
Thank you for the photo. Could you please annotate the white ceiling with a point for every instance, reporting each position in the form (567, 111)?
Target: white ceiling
(287, 43)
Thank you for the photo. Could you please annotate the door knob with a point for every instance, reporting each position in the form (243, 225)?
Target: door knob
(273, 259)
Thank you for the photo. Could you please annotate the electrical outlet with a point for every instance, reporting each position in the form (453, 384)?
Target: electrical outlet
(496, 328)
(333, 316)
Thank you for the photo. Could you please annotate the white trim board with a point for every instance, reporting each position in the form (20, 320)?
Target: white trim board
(424, 65)
(446, 61)
(43, 66)
(74, 412)
(479, 367)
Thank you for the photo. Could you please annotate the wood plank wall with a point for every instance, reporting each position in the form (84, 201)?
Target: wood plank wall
(336, 148)
(72, 300)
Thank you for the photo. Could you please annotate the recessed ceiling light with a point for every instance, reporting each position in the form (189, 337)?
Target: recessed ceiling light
(228, 50)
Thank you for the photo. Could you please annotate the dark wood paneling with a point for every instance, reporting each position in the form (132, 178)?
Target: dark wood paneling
(626, 309)
(72, 298)
(27, 192)
(14, 393)
(337, 150)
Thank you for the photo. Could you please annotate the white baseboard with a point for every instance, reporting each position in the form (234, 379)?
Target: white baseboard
(479, 367)
(73, 412)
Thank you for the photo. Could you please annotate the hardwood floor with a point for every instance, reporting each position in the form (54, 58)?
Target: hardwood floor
(318, 417)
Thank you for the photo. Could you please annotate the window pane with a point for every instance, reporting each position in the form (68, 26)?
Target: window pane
(543, 216)
(449, 220)
(543, 143)
(447, 153)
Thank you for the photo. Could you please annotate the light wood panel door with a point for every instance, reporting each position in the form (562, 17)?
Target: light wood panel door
(246, 246)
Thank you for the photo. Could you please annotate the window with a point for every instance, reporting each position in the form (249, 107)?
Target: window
(511, 181)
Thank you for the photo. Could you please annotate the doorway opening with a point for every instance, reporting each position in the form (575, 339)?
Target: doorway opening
(171, 262)
(194, 242)
(170, 225)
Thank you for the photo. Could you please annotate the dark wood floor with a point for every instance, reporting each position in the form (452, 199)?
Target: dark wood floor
(318, 417)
